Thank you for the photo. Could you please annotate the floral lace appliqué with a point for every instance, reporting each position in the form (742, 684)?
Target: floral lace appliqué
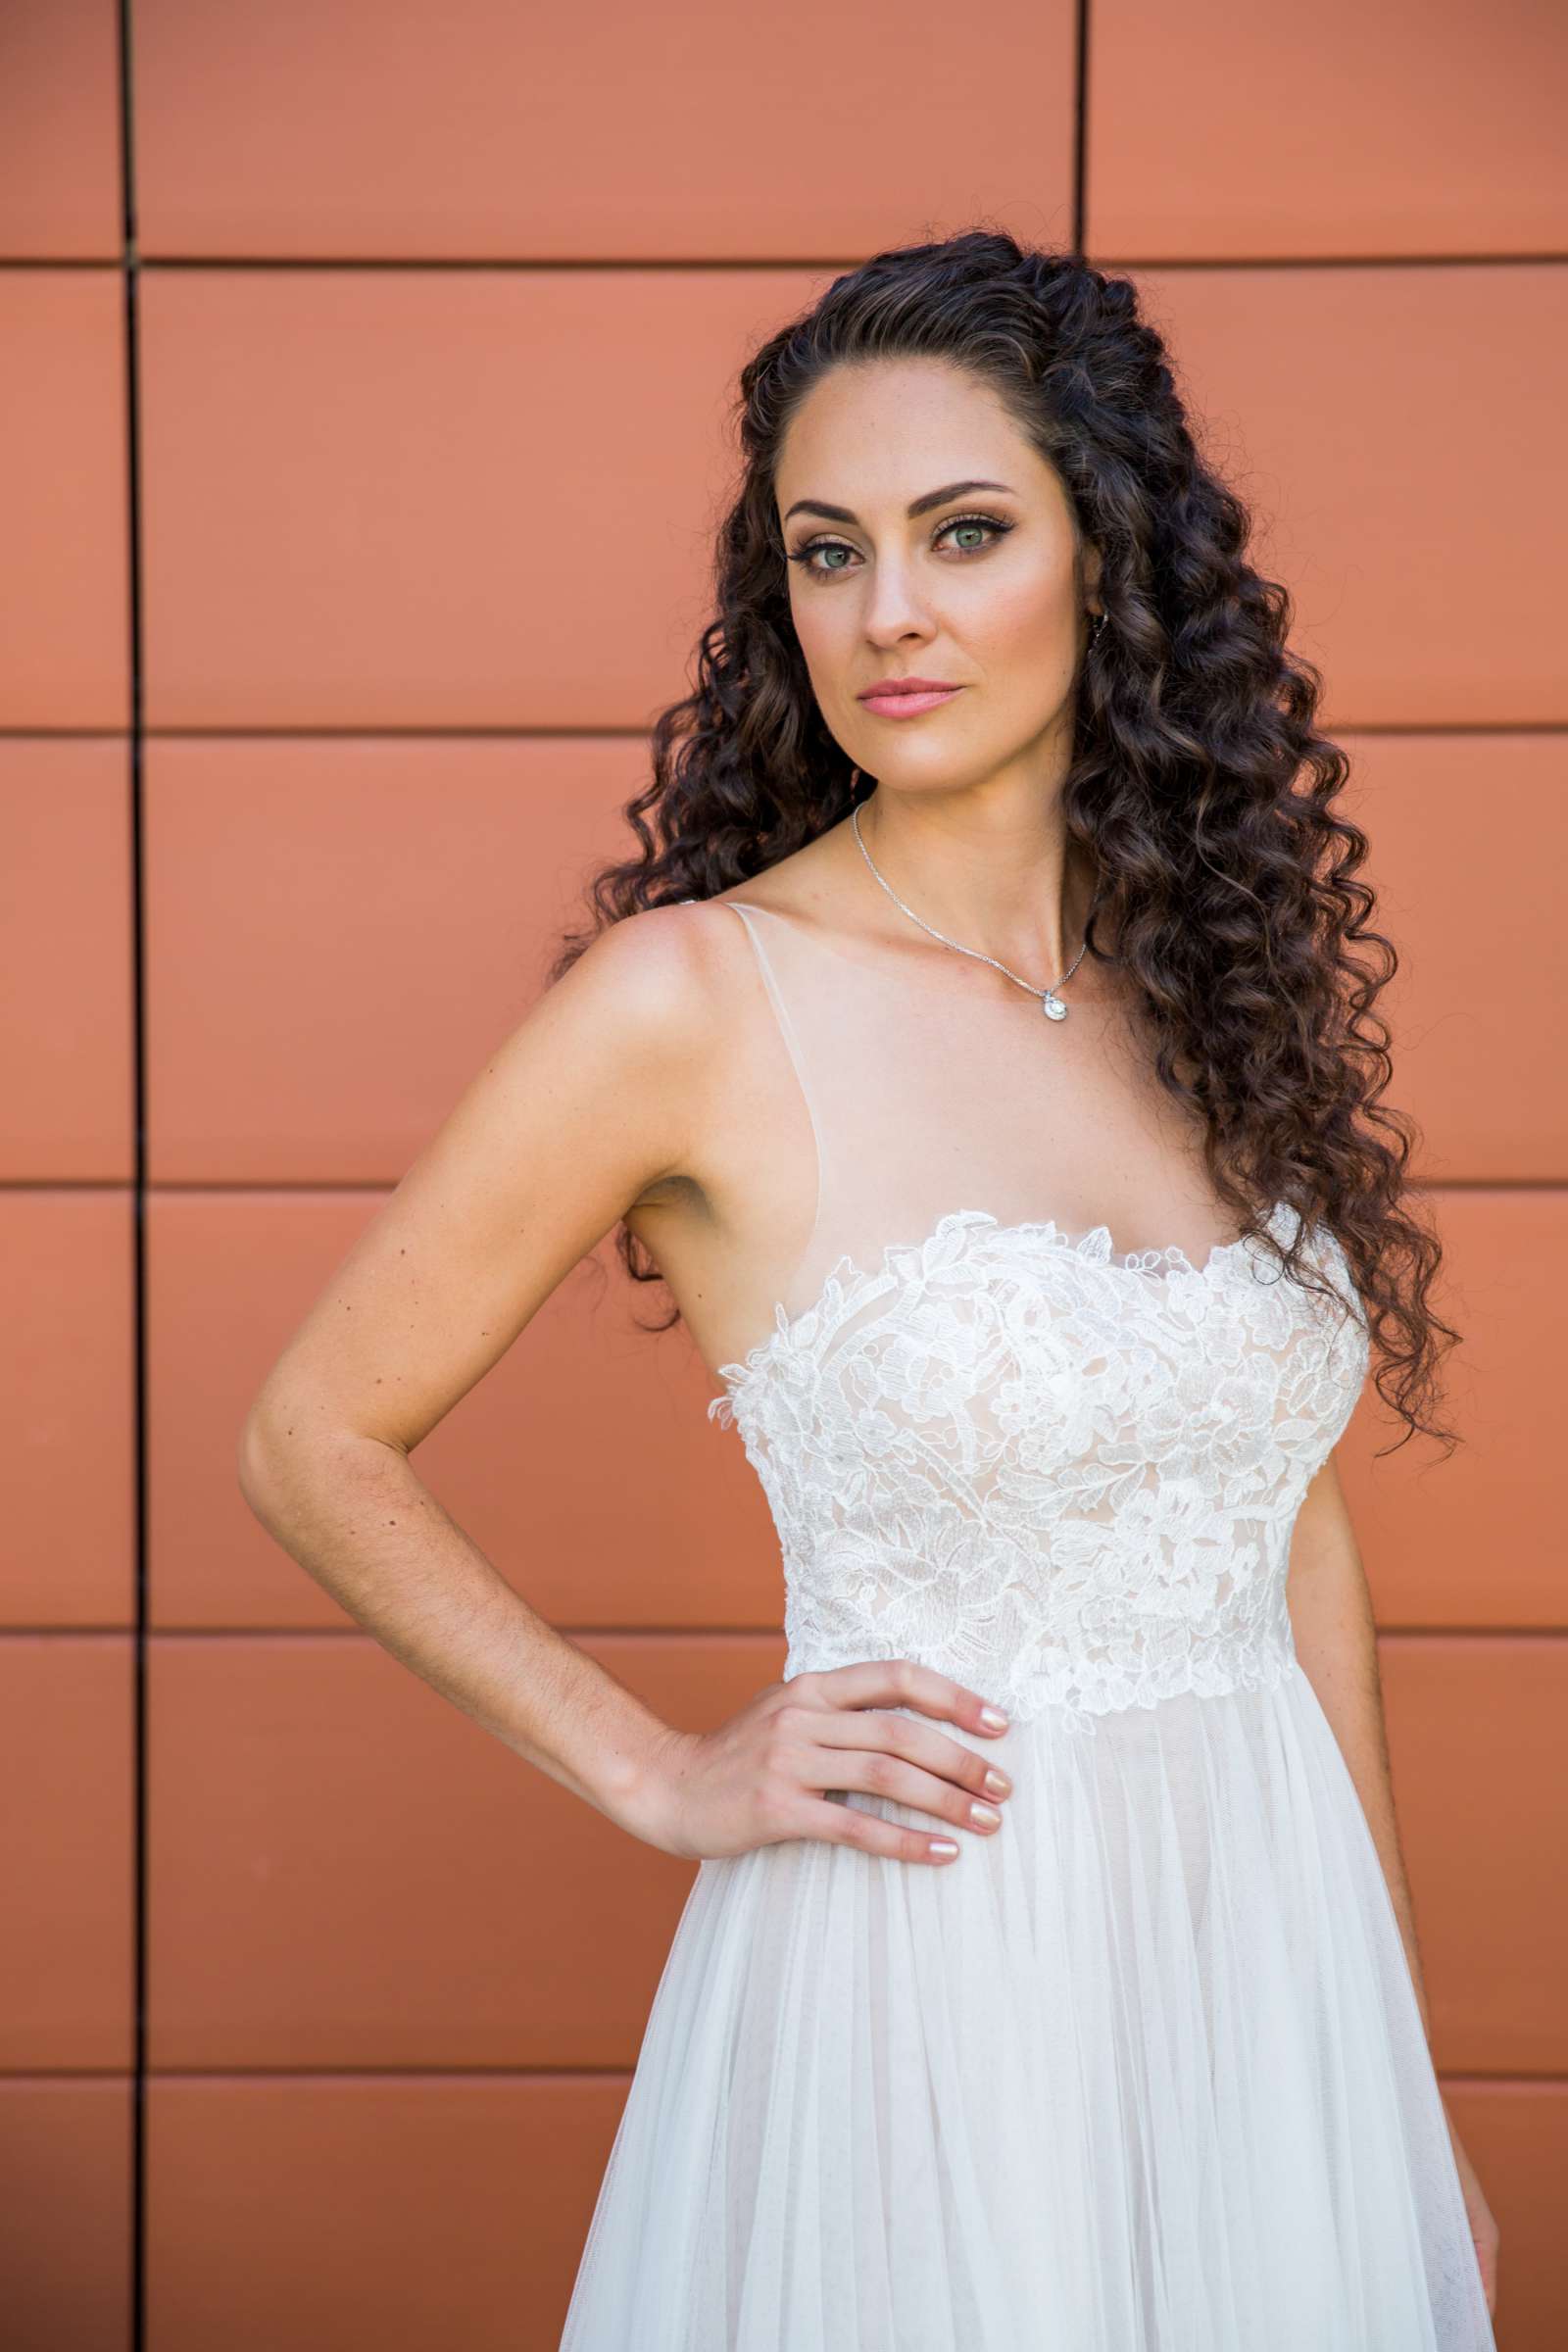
(1061, 1477)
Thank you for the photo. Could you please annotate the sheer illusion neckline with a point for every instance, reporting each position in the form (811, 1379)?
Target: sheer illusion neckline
(879, 959)
(1094, 1248)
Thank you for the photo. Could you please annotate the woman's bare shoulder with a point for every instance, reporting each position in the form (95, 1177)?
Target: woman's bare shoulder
(669, 983)
(660, 962)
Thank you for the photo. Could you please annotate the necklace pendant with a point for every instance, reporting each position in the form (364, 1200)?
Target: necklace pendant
(1055, 1008)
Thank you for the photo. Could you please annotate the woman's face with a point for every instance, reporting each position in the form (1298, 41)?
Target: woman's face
(977, 589)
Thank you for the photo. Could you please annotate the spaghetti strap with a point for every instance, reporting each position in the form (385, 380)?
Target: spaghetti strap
(776, 996)
(781, 1284)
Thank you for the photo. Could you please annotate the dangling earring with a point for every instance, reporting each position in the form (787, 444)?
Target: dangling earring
(1096, 623)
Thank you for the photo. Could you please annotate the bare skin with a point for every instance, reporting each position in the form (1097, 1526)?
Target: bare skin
(590, 1105)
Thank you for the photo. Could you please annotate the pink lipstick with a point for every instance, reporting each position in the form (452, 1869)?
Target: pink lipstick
(903, 698)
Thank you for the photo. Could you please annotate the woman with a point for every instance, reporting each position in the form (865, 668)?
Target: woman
(1007, 1133)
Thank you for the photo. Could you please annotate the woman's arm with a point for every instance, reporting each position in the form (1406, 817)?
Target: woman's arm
(1335, 1635)
(622, 1086)
(591, 1102)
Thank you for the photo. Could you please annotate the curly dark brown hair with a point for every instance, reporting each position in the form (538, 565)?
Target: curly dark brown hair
(1199, 786)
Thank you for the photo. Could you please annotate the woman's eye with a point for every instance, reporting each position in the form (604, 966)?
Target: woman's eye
(975, 522)
(967, 524)
(821, 547)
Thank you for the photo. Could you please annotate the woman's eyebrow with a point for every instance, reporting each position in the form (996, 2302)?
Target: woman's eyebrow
(918, 506)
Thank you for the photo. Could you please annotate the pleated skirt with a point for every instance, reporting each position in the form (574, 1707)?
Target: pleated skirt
(1142, 2071)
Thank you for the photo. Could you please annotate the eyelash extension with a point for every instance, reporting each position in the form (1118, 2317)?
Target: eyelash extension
(993, 522)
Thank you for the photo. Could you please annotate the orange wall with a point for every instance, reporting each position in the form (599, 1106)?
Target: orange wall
(356, 513)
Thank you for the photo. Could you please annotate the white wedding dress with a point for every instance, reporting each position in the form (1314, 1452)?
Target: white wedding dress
(1142, 2070)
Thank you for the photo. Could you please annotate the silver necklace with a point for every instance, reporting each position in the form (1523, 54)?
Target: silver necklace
(1050, 1004)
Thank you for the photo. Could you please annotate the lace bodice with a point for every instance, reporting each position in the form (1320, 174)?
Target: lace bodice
(1058, 1476)
(1062, 1475)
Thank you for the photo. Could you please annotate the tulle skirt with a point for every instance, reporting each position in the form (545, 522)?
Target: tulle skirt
(1142, 2071)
